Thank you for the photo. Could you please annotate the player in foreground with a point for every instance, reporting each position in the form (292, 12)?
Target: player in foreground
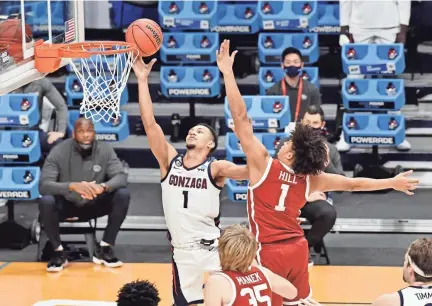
(138, 293)
(191, 184)
(242, 282)
(417, 273)
(278, 188)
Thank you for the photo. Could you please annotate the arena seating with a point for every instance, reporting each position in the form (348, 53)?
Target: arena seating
(191, 62)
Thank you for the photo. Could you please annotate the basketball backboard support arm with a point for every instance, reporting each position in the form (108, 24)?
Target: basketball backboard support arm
(25, 72)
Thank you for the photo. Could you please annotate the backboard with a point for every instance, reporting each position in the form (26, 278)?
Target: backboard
(47, 20)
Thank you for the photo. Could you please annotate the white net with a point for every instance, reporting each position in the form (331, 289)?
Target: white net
(103, 78)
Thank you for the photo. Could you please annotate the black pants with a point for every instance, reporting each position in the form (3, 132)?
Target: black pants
(45, 146)
(54, 210)
(322, 216)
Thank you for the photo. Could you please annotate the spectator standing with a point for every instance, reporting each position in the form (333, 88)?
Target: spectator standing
(300, 91)
(319, 209)
(44, 88)
(83, 178)
(375, 22)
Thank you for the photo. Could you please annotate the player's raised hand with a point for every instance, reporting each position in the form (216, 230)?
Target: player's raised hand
(224, 60)
(142, 70)
(402, 182)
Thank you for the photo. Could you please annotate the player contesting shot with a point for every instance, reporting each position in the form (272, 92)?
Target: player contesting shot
(278, 188)
(191, 184)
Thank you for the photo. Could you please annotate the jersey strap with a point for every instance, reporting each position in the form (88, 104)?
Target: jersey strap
(211, 178)
(170, 166)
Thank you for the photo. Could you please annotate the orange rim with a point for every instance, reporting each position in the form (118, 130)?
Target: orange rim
(87, 49)
(49, 56)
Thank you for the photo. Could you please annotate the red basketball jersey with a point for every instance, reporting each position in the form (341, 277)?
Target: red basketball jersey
(251, 288)
(274, 203)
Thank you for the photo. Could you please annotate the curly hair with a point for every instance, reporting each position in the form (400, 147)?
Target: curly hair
(138, 293)
(310, 150)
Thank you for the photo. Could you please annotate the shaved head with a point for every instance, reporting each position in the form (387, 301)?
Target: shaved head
(81, 121)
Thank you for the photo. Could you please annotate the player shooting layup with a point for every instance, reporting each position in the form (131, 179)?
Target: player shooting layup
(191, 184)
(278, 188)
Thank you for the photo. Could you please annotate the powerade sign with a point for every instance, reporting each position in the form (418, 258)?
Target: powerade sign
(107, 137)
(15, 194)
(325, 29)
(14, 158)
(372, 140)
(240, 196)
(371, 105)
(187, 92)
(232, 29)
(189, 57)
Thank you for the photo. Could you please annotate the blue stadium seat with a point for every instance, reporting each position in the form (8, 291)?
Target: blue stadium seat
(19, 110)
(363, 129)
(239, 18)
(19, 183)
(187, 48)
(19, 147)
(202, 81)
(115, 130)
(373, 94)
(271, 46)
(267, 112)
(288, 15)
(75, 94)
(373, 59)
(188, 15)
(328, 19)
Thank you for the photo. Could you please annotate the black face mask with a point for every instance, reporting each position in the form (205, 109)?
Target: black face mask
(292, 71)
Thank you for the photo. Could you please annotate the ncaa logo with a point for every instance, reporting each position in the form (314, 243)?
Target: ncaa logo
(178, 163)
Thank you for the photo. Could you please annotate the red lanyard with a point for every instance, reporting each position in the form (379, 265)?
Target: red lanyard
(299, 95)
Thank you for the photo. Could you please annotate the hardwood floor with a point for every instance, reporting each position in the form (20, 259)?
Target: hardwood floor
(24, 284)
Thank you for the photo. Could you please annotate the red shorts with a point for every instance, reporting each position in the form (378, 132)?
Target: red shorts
(288, 259)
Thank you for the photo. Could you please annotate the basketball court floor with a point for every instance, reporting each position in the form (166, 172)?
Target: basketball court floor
(24, 284)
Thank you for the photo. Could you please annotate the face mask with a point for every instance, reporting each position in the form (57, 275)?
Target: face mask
(292, 71)
(85, 146)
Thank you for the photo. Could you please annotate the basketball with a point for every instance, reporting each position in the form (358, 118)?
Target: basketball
(146, 35)
(11, 31)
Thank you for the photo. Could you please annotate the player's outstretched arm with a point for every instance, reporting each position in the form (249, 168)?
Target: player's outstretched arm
(256, 154)
(217, 291)
(225, 169)
(162, 150)
(391, 299)
(280, 285)
(334, 182)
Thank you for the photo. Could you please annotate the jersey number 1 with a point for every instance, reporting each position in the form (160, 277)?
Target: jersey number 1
(255, 296)
(284, 193)
(185, 198)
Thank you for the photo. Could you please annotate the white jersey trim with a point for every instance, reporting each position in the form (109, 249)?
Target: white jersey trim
(233, 286)
(264, 176)
(258, 257)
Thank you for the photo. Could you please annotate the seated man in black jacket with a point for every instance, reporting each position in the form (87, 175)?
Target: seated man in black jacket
(319, 209)
(83, 178)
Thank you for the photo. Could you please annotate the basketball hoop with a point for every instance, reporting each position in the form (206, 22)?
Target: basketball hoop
(102, 84)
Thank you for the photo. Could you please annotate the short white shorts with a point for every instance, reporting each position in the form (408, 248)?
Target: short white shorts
(189, 267)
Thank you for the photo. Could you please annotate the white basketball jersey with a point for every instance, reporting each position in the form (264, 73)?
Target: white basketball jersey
(416, 296)
(191, 203)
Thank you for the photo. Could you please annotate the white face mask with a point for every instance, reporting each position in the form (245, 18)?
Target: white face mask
(85, 146)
